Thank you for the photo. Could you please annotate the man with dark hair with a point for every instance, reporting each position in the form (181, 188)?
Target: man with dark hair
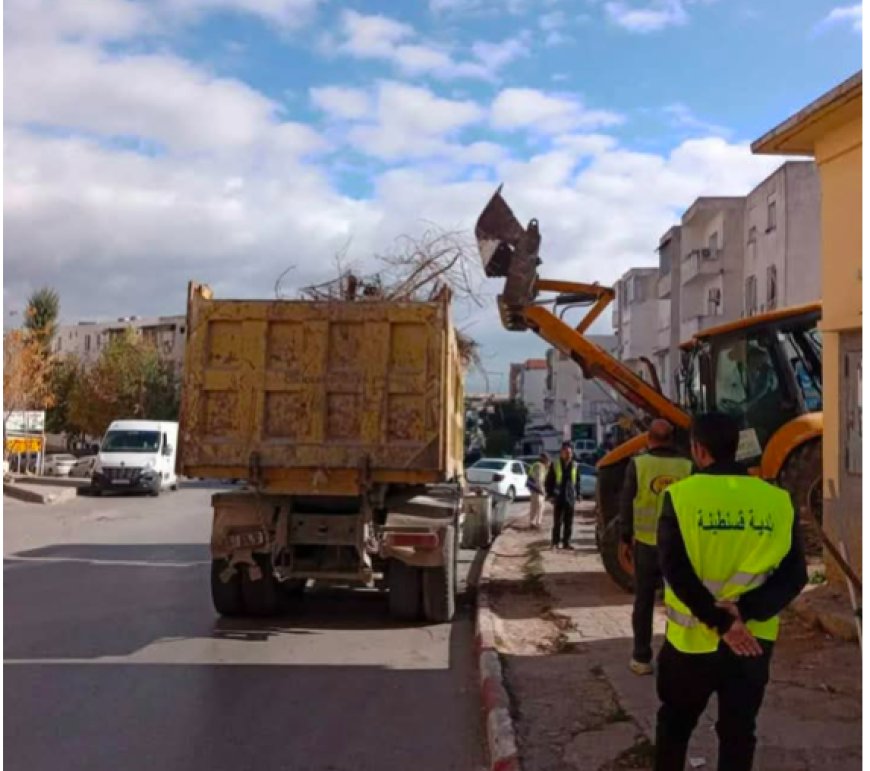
(561, 487)
(731, 557)
(647, 477)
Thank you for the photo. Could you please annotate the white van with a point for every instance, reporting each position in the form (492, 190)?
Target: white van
(137, 455)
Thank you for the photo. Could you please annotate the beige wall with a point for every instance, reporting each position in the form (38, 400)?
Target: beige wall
(838, 154)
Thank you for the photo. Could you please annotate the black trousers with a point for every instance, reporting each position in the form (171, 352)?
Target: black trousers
(563, 523)
(686, 682)
(647, 579)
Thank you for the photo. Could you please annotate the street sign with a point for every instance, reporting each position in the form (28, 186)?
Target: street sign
(31, 422)
(18, 445)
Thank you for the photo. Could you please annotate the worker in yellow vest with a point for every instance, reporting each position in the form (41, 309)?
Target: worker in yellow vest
(560, 487)
(647, 477)
(731, 557)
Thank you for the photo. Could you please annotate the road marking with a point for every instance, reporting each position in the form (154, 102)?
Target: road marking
(11, 561)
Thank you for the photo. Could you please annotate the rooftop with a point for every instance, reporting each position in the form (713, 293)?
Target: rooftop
(797, 135)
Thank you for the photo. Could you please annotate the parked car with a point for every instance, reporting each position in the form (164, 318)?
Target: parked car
(588, 480)
(84, 467)
(505, 476)
(58, 465)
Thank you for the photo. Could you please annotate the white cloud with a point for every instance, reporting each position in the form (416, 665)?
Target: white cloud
(585, 144)
(652, 16)
(411, 122)
(527, 108)
(342, 102)
(682, 116)
(846, 14)
(383, 38)
(81, 88)
(553, 25)
(107, 20)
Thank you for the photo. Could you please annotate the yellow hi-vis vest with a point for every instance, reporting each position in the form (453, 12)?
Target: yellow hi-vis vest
(655, 473)
(736, 529)
(557, 470)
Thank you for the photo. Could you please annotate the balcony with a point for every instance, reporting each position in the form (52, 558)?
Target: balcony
(664, 286)
(700, 263)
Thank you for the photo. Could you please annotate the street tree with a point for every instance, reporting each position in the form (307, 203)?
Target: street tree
(26, 375)
(41, 315)
(127, 381)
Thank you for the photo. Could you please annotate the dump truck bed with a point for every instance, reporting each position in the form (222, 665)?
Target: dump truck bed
(323, 398)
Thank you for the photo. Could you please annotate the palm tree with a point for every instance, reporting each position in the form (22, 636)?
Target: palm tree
(40, 318)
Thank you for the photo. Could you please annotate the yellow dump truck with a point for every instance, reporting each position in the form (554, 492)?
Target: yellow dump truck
(346, 421)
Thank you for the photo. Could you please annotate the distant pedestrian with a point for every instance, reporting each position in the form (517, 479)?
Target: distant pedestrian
(561, 490)
(646, 478)
(731, 557)
(537, 476)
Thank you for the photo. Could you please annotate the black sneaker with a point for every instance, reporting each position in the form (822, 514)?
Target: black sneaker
(567, 547)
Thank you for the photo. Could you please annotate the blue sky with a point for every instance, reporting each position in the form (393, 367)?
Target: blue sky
(148, 143)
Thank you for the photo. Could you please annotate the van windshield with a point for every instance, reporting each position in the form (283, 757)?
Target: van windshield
(131, 441)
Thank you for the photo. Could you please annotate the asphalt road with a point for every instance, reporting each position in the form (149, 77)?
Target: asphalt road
(114, 658)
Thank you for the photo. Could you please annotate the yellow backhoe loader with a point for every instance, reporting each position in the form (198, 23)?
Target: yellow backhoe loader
(765, 370)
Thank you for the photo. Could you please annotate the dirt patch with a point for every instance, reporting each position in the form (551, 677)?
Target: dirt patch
(564, 632)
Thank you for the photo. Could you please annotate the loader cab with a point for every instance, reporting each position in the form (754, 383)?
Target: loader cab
(764, 370)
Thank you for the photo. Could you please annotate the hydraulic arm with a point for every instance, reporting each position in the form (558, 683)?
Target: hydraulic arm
(511, 251)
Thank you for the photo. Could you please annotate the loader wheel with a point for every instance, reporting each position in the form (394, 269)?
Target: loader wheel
(607, 494)
(260, 596)
(608, 547)
(439, 584)
(226, 596)
(801, 475)
(405, 595)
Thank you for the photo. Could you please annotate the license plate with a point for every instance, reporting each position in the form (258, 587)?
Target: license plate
(120, 481)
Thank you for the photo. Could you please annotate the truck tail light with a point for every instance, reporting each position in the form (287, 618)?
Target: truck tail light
(417, 540)
(498, 477)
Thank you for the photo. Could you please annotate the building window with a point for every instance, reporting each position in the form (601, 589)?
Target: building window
(713, 244)
(87, 343)
(753, 234)
(771, 288)
(714, 302)
(771, 214)
(750, 301)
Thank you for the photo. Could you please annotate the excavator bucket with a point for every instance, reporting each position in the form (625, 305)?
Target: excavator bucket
(509, 250)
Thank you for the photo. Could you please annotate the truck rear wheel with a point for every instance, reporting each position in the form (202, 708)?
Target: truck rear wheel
(405, 594)
(260, 596)
(439, 584)
(801, 475)
(226, 596)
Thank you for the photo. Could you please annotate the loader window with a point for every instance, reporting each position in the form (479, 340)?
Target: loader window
(747, 385)
(800, 353)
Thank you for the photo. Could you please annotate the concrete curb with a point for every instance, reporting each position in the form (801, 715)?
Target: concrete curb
(499, 727)
(30, 495)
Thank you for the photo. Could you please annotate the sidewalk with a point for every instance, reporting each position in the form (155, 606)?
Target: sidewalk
(564, 634)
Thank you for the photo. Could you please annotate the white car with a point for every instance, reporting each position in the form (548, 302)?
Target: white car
(499, 475)
(58, 465)
(84, 467)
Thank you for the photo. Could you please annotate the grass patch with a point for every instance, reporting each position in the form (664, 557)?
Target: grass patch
(640, 755)
(533, 570)
(617, 715)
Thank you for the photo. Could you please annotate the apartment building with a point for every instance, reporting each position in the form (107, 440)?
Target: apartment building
(636, 316)
(711, 266)
(782, 263)
(667, 348)
(86, 339)
(532, 389)
(571, 398)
